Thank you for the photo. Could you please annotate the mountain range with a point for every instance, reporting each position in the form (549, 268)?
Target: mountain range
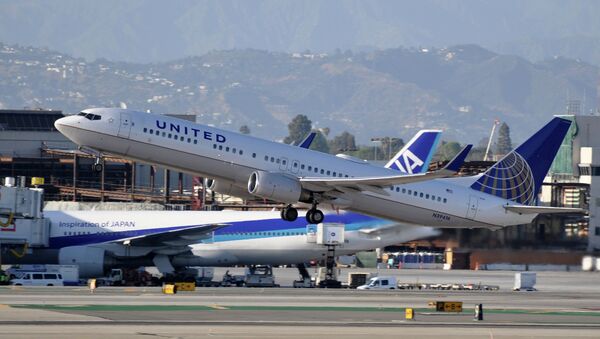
(391, 92)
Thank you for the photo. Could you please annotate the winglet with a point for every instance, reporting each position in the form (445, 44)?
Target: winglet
(459, 159)
(308, 140)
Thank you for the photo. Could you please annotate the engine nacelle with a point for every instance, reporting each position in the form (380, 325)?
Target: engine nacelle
(275, 186)
(90, 260)
(228, 188)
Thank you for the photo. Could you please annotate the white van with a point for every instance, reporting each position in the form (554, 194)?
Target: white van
(38, 279)
(379, 283)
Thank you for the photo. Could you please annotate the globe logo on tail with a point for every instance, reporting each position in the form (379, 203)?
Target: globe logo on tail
(511, 178)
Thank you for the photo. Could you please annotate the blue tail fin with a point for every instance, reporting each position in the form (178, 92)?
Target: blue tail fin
(519, 175)
(415, 156)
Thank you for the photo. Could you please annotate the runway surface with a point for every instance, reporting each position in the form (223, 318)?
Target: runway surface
(569, 306)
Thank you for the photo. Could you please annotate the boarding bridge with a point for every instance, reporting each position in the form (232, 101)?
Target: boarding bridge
(21, 218)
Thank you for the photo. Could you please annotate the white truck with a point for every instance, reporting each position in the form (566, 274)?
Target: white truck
(380, 283)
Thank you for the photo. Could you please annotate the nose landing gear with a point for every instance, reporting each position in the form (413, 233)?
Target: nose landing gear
(98, 166)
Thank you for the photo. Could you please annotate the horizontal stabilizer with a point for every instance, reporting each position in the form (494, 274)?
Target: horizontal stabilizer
(523, 209)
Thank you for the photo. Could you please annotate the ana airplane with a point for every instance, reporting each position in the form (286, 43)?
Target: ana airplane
(501, 196)
(172, 241)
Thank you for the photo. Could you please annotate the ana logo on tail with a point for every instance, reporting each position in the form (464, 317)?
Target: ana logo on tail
(411, 162)
(415, 156)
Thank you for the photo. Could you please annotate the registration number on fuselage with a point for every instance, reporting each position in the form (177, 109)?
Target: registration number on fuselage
(440, 216)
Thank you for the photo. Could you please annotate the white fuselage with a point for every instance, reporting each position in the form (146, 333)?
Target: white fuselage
(210, 152)
(249, 237)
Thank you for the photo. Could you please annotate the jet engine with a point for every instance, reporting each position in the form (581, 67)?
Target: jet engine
(275, 186)
(91, 260)
(228, 188)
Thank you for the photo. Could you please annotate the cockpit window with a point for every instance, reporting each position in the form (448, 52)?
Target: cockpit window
(90, 116)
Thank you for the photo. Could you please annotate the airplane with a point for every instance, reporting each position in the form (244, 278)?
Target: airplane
(502, 196)
(174, 240)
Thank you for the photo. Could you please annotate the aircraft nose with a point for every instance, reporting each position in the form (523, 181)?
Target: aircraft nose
(59, 124)
(62, 123)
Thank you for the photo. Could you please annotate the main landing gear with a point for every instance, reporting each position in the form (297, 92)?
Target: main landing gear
(313, 215)
(289, 213)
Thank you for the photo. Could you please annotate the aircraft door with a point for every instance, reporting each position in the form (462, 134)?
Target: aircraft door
(295, 166)
(283, 165)
(125, 126)
(473, 206)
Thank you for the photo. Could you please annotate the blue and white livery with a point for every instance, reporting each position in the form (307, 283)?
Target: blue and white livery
(99, 240)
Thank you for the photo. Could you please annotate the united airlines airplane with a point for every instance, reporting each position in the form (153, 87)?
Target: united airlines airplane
(171, 241)
(504, 195)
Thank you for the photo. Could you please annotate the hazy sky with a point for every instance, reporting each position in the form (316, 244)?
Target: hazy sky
(150, 31)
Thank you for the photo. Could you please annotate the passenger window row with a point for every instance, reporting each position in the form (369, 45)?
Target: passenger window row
(84, 233)
(170, 136)
(413, 193)
(263, 233)
(241, 152)
(307, 167)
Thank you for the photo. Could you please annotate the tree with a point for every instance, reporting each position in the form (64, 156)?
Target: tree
(298, 129)
(342, 143)
(447, 151)
(366, 152)
(396, 145)
(503, 144)
(320, 143)
(244, 129)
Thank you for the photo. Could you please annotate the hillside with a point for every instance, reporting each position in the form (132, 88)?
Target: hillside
(394, 92)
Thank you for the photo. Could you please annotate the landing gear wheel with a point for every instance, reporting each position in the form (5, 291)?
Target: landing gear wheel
(289, 213)
(314, 216)
(98, 167)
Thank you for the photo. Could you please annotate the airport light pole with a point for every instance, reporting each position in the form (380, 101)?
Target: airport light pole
(389, 141)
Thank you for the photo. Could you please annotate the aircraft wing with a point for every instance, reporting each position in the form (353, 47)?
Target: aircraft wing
(375, 184)
(180, 237)
(524, 209)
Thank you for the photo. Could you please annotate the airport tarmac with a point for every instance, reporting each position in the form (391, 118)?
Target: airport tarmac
(570, 310)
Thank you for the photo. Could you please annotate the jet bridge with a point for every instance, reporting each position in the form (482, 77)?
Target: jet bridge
(21, 219)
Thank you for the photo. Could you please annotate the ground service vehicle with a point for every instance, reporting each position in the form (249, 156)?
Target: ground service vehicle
(379, 283)
(38, 279)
